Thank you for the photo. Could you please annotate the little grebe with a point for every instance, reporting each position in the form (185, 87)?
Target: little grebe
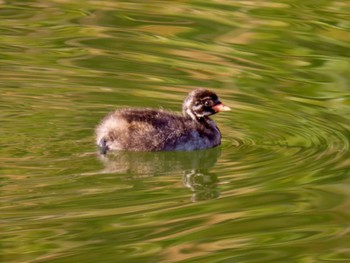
(158, 130)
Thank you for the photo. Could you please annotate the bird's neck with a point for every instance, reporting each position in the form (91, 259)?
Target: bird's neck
(200, 119)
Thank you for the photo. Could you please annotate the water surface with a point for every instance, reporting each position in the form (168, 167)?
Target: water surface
(276, 190)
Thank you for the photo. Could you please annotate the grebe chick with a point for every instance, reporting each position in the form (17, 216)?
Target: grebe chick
(158, 130)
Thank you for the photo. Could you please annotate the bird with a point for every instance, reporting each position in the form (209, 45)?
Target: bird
(148, 130)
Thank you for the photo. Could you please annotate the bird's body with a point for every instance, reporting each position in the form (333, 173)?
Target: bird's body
(158, 130)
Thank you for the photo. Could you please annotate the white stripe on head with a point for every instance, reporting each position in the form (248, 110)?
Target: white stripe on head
(191, 114)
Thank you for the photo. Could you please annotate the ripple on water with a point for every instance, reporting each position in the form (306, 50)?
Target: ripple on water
(278, 183)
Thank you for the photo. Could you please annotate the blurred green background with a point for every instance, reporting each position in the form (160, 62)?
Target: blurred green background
(276, 190)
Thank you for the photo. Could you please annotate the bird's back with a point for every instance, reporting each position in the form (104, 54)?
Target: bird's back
(153, 130)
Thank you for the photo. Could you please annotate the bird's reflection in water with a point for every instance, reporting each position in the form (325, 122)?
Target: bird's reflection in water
(194, 165)
(202, 183)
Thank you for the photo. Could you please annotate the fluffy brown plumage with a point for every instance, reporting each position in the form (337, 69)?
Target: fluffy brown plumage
(158, 130)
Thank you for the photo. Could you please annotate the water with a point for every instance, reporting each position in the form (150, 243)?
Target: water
(276, 190)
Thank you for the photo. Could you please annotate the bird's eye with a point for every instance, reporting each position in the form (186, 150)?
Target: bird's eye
(208, 103)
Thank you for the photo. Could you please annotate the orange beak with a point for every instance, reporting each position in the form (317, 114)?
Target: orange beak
(220, 107)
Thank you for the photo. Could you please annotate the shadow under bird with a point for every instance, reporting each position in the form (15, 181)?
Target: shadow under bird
(143, 129)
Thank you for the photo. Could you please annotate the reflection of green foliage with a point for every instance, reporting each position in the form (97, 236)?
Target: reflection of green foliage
(283, 187)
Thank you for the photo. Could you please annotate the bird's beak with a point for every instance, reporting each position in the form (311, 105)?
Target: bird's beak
(220, 107)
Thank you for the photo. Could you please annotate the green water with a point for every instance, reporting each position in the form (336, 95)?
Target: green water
(276, 190)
